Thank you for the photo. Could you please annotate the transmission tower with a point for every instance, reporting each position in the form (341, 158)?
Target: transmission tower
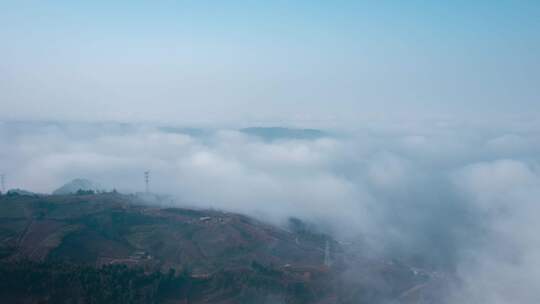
(327, 260)
(3, 182)
(147, 180)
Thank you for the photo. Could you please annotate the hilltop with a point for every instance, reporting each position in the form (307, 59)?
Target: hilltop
(78, 184)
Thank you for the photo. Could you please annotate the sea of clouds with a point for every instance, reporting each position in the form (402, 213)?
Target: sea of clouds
(454, 195)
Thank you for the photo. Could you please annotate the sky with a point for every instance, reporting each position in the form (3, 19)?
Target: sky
(231, 62)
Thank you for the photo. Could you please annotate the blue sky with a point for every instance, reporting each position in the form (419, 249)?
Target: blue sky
(234, 61)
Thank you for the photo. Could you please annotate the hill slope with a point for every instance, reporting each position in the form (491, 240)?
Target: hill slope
(231, 257)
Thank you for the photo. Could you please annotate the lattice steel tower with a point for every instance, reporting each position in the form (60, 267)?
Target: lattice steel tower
(147, 181)
(327, 258)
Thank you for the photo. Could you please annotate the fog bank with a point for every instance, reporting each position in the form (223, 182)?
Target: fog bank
(459, 197)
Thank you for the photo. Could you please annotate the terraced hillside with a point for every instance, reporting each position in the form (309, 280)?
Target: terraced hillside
(226, 257)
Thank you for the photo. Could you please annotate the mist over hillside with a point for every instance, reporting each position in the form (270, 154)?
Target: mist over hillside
(452, 196)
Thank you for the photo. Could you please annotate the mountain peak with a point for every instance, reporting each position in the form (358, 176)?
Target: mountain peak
(76, 185)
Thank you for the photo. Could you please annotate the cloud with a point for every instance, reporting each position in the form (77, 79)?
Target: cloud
(495, 184)
(445, 196)
(504, 266)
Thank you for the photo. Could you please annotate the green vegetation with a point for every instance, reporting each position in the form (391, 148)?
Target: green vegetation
(85, 192)
(112, 248)
(71, 283)
(50, 282)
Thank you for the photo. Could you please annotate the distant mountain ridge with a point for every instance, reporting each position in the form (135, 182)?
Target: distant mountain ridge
(276, 133)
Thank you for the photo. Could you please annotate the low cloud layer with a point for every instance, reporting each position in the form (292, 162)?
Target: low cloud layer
(459, 197)
(504, 265)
